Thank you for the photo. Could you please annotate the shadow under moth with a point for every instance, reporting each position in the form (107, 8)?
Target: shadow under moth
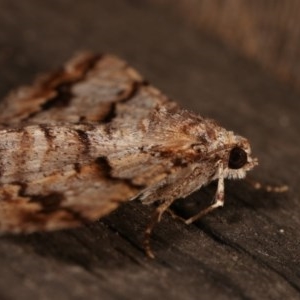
(84, 139)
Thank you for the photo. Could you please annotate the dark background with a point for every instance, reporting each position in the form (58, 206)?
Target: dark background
(219, 60)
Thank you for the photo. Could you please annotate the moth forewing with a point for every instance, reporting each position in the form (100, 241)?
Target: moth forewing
(81, 141)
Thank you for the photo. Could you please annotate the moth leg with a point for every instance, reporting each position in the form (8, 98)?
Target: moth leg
(175, 216)
(156, 217)
(218, 199)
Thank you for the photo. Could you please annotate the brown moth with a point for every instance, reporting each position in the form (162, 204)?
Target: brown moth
(82, 140)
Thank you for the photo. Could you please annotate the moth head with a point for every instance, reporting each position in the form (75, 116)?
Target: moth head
(239, 160)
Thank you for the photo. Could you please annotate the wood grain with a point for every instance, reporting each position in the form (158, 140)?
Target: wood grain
(265, 31)
(247, 250)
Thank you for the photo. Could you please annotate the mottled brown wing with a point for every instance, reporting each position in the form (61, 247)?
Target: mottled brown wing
(86, 89)
(98, 90)
(64, 200)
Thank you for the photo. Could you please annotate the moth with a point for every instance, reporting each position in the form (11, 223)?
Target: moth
(83, 140)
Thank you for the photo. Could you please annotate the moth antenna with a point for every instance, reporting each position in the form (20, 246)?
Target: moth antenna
(282, 188)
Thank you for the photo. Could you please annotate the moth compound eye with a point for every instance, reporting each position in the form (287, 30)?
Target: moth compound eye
(237, 158)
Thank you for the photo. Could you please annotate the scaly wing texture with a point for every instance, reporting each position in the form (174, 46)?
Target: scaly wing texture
(82, 140)
(84, 90)
(62, 200)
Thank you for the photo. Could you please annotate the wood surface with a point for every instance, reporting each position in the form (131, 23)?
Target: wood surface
(247, 250)
(266, 31)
